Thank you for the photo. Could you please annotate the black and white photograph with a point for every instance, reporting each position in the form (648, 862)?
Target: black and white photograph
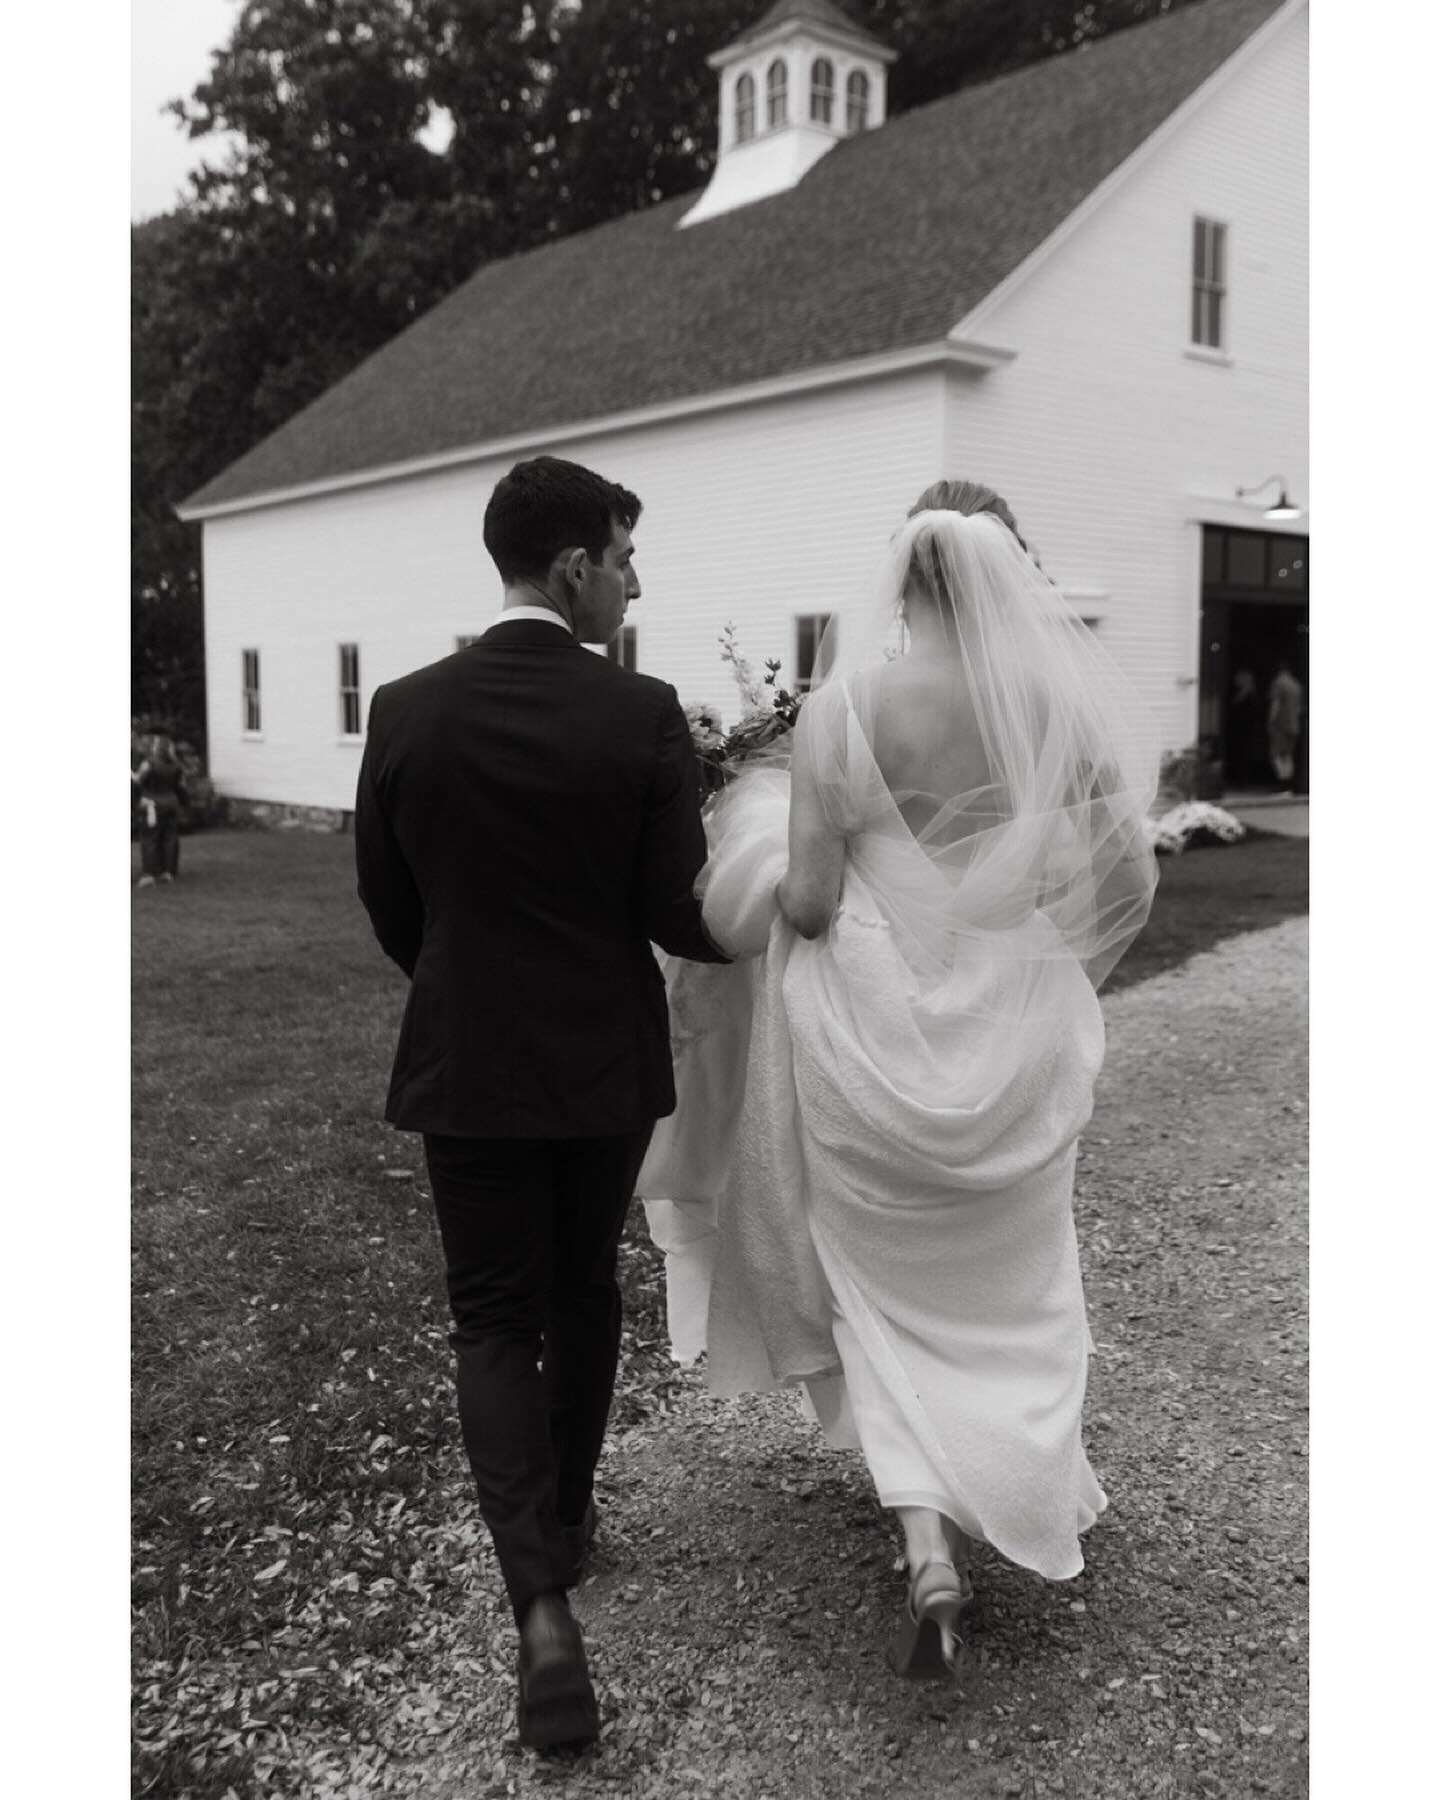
(719, 987)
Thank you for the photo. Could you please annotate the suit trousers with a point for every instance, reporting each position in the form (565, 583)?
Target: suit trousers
(531, 1232)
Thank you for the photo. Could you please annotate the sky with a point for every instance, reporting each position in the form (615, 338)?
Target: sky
(170, 45)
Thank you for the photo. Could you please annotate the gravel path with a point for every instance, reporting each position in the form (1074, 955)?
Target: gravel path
(744, 1586)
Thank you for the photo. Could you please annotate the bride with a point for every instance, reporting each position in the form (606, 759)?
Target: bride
(865, 1190)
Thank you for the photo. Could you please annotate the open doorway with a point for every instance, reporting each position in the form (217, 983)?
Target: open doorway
(1254, 659)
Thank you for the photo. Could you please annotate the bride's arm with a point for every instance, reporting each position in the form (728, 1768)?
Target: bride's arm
(809, 890)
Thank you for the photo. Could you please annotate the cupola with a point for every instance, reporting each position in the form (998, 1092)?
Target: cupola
(800, 79)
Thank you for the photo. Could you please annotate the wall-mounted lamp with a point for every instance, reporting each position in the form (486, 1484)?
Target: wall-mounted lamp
(1284, 507)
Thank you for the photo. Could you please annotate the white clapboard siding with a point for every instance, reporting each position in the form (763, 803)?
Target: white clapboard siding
(761, 514)
(1110, 440)
(751, 516)
(398, 569)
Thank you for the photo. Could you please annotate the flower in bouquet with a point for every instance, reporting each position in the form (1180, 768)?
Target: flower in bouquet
(785, 705)
(707, 729)
(707, 735)
(770, 714)
(770, 710)
(756, 731)
(741, 669)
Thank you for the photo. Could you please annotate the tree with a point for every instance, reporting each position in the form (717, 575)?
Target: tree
(166, 644)
(290, 262)
(630, 116)
(945, 45)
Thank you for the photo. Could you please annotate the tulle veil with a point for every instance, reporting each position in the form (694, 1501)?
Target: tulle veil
(1052, 838)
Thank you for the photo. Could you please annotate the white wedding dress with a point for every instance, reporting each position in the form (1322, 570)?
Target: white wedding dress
(866, 1185)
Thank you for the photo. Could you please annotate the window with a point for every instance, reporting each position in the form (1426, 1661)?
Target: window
(1212, 568)
(857, 100)
(1245, 561)
(1207, 289)
(1255, 565)
(744, 109)
(622, 648)
(1287, 564)
(775, 108)
(809, 629)
(467, 639)
(250, 686)
(822, 90)
(350, 690)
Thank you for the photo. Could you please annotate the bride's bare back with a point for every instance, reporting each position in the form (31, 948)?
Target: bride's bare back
(925, 737)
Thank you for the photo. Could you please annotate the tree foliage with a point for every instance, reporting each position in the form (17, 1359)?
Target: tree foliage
(388, 148)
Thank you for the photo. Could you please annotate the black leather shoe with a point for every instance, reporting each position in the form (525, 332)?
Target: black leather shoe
(557, 1703)
(577, 1540)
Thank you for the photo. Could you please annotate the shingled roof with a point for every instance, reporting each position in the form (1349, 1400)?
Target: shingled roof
(887, 243)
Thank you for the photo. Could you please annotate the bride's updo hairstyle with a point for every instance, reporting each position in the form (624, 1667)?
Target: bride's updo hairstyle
(927, 572)
(967, 497)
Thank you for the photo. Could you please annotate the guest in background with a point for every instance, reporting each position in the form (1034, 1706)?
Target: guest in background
(1286, 705)
(1245, 736)
(160, 782)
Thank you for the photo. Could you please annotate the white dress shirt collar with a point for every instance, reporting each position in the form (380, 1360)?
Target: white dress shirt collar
(512, 615)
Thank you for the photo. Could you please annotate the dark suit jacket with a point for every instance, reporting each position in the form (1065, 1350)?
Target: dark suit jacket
(527, 822)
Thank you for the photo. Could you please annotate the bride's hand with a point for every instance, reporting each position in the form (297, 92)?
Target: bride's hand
(805, 909)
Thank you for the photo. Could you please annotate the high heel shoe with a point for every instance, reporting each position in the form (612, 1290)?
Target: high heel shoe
(960, 1545)
(927, 1644)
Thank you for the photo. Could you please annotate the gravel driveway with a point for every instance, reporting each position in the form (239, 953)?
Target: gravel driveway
(744, 1586)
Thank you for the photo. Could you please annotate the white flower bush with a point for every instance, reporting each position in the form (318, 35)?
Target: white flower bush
(1172, 831)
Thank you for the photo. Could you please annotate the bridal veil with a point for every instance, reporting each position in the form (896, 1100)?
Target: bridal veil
(1055, 832)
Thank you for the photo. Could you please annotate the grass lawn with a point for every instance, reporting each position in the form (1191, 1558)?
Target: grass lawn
(297, 1469)
(1208, 894)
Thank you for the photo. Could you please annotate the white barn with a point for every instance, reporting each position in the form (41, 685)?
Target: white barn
(1083, 282)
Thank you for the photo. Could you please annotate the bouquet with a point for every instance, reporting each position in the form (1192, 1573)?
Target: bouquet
(770, 714)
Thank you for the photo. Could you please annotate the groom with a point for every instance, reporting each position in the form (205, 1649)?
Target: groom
(526, 825)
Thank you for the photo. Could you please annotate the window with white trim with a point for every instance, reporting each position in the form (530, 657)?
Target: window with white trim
(744, 109)
(857, 100)
(623, 648)
(1207, 285)
(350, 719)
(250, 688)
(809, 630)
(822, 90)
(776, 89)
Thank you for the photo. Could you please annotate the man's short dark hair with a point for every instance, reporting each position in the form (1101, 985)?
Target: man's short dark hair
(546, 505)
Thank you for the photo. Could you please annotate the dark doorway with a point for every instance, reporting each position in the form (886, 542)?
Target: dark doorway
(1254, 622)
